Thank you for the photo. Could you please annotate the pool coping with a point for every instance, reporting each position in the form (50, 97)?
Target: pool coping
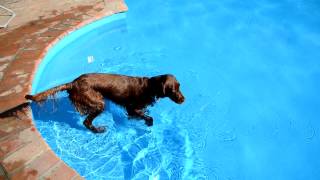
(23, 152)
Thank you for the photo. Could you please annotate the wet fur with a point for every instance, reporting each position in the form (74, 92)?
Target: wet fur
(88, 91)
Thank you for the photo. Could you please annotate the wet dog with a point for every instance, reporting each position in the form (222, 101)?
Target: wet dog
(87, 93)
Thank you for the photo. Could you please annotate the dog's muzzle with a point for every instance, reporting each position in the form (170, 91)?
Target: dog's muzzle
(178, 98)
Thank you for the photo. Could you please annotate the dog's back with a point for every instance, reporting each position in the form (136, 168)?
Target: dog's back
(123, 90)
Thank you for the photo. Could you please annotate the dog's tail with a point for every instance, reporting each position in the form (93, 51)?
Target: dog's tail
(50, 92)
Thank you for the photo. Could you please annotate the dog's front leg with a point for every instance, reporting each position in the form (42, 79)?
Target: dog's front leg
(140, 114)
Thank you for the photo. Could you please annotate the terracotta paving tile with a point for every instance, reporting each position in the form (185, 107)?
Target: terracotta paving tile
(12, 100)
(77, 177)
(61, 172)
(37, 167)
(72, 22)
(11, 145)
(18, 140)
(6, 58)
(2, 173)
(15, 126)
(4, 121)
(6, 82)
(23, 156)
(32, 54)
(14, 81)
(62, 27)
(51, 33)
(21, 112)
(2, 177)
(8, 49)
(3, 65)
(84, 8)
(39, 43)
(2, 133)
(1, 154)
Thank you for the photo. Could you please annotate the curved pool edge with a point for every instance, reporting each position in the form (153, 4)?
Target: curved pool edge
(19, 134)
(64, 40)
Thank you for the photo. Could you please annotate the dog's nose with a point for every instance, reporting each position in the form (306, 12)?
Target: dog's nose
(181, 100)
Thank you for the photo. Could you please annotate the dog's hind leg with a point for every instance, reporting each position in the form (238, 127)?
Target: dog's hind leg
(88, 123)
(89, 103)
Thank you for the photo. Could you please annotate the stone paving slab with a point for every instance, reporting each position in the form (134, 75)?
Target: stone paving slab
(36, 168)
(31, 10)
(4, 16)
(38, 25)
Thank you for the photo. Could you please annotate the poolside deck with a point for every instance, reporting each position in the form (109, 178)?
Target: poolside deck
(37, 26)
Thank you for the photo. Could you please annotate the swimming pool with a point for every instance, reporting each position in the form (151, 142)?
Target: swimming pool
(250, 73)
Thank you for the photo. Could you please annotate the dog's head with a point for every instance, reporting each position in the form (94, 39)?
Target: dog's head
(168, 86)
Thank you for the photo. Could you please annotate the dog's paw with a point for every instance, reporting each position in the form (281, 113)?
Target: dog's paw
(100, 129)
(149, 122)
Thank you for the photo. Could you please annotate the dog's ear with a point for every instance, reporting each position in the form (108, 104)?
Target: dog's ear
(164, 87)
(164, 83)
(161, 83)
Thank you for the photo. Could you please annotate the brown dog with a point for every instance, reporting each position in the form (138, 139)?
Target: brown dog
(88, 91)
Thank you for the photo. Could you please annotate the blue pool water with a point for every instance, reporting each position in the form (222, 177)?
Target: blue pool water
(250, 72)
